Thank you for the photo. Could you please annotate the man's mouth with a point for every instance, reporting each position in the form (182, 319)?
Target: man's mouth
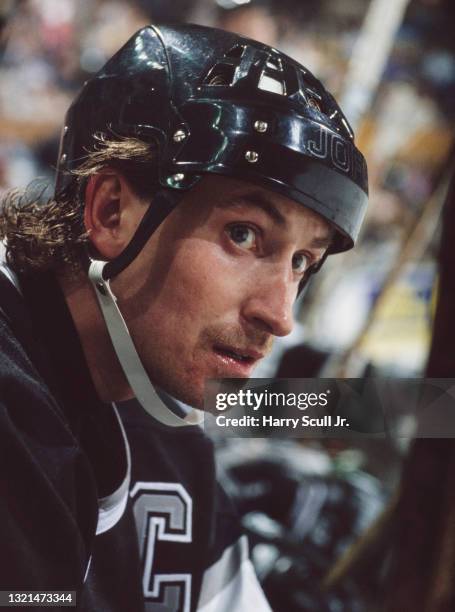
(241, 355)
(234, 355)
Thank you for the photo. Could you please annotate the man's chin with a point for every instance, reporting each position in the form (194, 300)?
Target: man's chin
(190, 396)
(190, 392)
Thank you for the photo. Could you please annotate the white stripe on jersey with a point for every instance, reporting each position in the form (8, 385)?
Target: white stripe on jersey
(112, 507)
(231, 583)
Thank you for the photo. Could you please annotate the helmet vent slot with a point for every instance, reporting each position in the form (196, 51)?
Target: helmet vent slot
(275, 64)
(314, 100)
(220, 75)
(271, 84)
(236, 52)
(314, 104)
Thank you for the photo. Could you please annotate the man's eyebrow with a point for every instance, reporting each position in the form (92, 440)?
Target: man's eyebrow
(323, 242)
(259, 200)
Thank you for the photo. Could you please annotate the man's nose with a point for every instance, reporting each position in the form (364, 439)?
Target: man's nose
(269, 304)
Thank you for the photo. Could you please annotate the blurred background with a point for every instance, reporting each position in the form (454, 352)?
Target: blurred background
(370, 312)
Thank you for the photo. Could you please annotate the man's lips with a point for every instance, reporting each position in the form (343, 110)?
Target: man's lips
(236, 361)
(247, 355)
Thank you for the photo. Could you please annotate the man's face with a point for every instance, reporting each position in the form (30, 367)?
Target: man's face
(216, 282)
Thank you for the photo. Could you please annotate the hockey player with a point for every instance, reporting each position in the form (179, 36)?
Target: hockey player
(202, 178)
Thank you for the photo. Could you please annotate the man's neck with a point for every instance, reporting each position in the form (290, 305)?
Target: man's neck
(107, 375)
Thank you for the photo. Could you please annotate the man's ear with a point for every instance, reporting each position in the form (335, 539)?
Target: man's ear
(112, 213)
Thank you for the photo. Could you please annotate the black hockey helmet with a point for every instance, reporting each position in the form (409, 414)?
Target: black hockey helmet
(215, 102)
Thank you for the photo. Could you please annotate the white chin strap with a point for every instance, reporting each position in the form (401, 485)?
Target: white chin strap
(128, 357)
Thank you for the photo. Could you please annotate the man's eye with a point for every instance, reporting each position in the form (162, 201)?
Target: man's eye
(300, 263)
(243, 235)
